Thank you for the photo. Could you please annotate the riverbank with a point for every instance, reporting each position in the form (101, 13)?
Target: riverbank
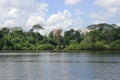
(100, 36)
(37, 51)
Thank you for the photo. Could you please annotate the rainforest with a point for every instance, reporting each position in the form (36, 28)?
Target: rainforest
(99, 36)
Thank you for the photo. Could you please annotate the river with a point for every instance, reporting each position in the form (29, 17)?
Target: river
(46, 65)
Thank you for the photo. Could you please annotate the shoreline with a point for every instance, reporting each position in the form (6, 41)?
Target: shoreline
(59, 50)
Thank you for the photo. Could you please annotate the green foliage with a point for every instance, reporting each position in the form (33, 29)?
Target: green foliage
(72, 34)
(5, 31)
(115, 44)
(44, 47)
(37, 27)
(100, 36)
(72, 46)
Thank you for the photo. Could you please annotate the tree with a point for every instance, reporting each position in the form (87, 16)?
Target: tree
(105, 30)
(72, 36)
(52, 39)
(16, 29)
(57, 33)
(78, 36)
(5, 30)
(37, 27)
(68, 36)
(116, 35)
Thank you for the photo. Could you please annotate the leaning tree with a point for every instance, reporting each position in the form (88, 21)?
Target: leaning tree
(37, 27)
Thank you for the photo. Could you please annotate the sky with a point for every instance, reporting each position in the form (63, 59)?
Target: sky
(64, 14)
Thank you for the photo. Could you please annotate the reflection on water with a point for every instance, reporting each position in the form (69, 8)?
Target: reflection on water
(84, 65)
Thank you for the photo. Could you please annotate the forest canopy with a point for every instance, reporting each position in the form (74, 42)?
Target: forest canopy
(99, 36)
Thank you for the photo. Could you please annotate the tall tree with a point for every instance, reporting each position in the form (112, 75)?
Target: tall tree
(57, 33)
(5, 30)
(37, 27)
(104, 28)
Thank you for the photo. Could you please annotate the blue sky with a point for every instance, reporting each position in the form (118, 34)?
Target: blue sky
(64, 14)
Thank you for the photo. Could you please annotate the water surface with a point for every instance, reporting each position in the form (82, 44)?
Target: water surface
(82, 65)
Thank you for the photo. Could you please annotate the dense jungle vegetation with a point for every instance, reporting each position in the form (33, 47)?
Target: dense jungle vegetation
(99, 36)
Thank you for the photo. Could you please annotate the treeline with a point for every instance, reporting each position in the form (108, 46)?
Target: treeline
(99, 36)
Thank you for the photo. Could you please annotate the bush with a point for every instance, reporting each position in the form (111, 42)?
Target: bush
(92, 45)
(115, 44)
(17, 47)
(75, 46)
(44, 47)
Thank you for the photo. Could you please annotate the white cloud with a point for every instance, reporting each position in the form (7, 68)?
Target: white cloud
(111, 7)
(18, 12)
(2, 2)
(99, 21)
(41, 9)
(118, 24)
(32, 20)
(61, 20)
(93, 15)
(37, 16)
(9, 23)
(77, 22)
(78, 12)
(102, 17)
(0, 8)
(28, 12)
(72, 2)
(13, 12)
(16, 3)
(107, 3)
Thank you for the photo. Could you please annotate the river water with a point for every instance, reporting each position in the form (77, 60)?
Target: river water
(82, 65)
